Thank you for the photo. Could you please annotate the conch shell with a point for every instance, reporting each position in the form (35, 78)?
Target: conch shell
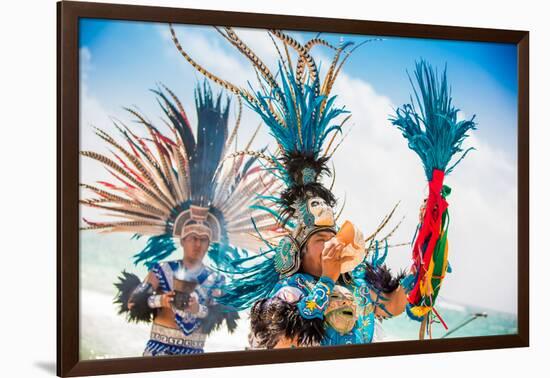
(354, 242)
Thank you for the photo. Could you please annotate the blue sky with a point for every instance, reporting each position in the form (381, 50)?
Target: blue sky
(121, 60)
(130, 57)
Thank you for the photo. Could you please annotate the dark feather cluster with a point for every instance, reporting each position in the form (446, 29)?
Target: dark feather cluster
(298, 188)
(128, 286)
(217, 313)
(380, 278)
(212, 132)
(296, 162)
(206, 149)
(273, 318)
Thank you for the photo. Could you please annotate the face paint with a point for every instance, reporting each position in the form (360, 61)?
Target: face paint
(321, 211)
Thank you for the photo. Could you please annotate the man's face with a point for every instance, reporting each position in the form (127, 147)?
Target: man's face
(311, 257)
(194, 247)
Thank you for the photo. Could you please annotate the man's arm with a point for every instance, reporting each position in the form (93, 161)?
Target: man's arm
(152, 279)
(213, 314)
(156, 299)
(391, 304)
(386, 291)
(138, 300)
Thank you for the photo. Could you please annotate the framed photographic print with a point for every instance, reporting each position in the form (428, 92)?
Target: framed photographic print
(239, 188)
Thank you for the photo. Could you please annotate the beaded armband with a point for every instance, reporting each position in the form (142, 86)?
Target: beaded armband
(154, 301)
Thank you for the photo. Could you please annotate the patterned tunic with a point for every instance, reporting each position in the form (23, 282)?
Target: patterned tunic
(188, 338)
(312, 295)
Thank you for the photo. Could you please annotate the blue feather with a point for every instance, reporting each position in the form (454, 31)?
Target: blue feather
(433, 131)
(222, 254)
(158, 248)
(251, 278)
(302, 123)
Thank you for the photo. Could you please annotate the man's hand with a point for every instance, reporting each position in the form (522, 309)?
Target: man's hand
(193, 304)
(395, 304)
(331, 259)
(167, 299)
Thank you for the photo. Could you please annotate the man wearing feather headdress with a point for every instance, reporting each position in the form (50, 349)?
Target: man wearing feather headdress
(316, 284)
(181, 188)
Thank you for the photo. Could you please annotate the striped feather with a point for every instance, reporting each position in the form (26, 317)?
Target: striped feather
(111, 164)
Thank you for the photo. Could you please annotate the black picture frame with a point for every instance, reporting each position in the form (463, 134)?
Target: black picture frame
(68, 14)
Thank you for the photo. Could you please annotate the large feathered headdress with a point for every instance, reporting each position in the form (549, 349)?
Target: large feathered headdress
(167, 186)
(301, 114)
(297, 107)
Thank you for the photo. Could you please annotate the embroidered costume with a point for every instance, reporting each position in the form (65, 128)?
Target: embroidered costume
(348, 313)
(194, 327)
(171, 185)
(288, 306)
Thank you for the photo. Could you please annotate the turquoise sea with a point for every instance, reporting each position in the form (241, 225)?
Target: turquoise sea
(104, 334)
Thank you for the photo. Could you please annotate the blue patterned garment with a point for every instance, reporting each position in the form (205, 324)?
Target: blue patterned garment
(312, 297)
(313, 294)
(364, 326)
(189, 324)
(156, 348)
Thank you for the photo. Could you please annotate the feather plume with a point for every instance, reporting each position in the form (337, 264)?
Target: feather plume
(161, 176)
(430, 123)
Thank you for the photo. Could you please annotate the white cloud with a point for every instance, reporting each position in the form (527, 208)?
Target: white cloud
(375, 169)
(92, 114)
(211, 54)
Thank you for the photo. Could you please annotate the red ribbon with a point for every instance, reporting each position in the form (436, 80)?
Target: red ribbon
(428, 234)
